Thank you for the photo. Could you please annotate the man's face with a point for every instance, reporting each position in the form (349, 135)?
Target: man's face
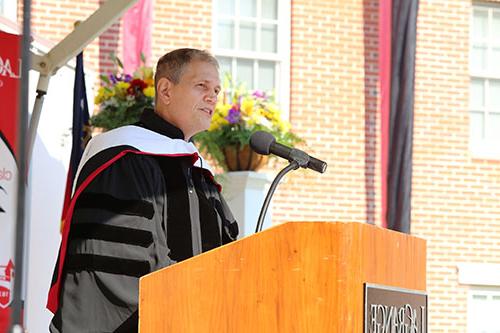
(190, 104)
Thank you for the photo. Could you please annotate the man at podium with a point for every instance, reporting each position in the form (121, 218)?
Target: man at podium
(143, 199)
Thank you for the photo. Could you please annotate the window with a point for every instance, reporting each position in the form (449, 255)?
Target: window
(483, 310)
(251, 40)
(483, 304)
(484, 101)
(8, 9)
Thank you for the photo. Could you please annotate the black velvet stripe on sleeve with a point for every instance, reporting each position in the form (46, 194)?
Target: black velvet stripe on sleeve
(120, 206)
(111, 233)
(113, 265)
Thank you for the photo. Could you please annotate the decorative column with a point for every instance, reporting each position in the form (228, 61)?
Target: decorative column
(245, 192)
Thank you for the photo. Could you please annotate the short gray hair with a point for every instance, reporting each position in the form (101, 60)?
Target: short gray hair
(172, 64)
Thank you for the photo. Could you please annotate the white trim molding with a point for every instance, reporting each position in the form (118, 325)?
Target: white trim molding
(479, 274)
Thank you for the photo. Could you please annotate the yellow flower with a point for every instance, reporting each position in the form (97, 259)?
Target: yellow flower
(222, 110)
(247, 105)
(121, 88)
(150, 82)
(149, 91)
(103, 94)
(254, 119)
(283, 126)
(217, 122)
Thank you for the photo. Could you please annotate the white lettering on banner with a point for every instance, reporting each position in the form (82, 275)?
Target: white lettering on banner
(6, 69)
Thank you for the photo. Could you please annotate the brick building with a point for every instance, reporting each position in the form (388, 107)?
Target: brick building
(323, 59)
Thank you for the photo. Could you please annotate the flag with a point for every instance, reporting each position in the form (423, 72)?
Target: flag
(80, 130)
(385, 94)
(397, 100)
(10, 72)
(137, 23)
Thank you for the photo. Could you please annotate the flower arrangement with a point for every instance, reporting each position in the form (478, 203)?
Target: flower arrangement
(122, 97)
(238, 114)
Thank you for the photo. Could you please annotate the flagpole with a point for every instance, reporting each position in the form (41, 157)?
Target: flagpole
(17, 304)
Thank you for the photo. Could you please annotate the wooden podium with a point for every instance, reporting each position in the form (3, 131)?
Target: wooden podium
(295, 277)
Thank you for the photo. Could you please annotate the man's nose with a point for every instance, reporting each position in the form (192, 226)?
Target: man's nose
(211, 98)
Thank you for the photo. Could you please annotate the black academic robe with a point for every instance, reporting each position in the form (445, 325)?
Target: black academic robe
(142, 201)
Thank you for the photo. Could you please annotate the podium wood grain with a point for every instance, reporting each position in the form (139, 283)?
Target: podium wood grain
(295, 277)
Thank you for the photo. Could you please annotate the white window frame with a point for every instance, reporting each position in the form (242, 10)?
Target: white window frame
(282, 57)
(8, 9)
(482, 279)
(489, 293)
(483, 148)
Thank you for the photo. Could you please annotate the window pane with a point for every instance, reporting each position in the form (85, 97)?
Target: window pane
(225, 7)
(494, 61)
(476, 94)
(483, 310)
(494, 126)
(479, 297)
(495, 29)
(248, 8)
(267, 71)
(269, 9)
(225, 66)
(480, 24)
(476, 128)
(244, 72)
(247, 36)
(225, 34)
(494, 94)
(269, 39)
(478, 58)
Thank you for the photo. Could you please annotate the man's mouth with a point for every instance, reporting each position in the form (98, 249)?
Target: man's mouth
(209, 111)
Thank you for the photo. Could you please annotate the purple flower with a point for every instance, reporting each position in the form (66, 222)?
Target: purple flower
(127, 78)
(259, 94)
(113, 78)
(233, 116)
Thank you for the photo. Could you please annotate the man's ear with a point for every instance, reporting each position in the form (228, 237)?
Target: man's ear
(164, 90)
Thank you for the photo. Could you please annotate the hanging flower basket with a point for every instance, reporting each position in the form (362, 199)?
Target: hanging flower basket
(243, 158)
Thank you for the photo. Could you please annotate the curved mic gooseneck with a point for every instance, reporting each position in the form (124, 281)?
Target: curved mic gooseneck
(264, 143)
(294, 165)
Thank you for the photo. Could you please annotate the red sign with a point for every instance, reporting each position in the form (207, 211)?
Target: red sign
(10, 72)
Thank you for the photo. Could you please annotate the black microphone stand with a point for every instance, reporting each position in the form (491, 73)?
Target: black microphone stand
(294, 165)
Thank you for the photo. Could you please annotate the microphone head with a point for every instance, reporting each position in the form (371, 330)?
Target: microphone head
(261, 142)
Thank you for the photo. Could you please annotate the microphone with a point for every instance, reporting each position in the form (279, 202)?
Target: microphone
(264, 143)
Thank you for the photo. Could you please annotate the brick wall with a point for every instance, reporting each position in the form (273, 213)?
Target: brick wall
(455, 196)
(327, 110)
(181, 23)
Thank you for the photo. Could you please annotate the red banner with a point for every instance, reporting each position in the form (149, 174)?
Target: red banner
(137, 25)
(10, 64)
